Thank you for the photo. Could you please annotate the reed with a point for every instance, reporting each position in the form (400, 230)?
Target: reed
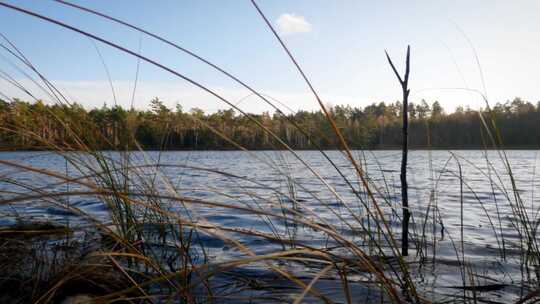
(158, 242)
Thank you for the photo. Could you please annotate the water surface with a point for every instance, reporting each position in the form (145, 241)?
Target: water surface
(446, 189)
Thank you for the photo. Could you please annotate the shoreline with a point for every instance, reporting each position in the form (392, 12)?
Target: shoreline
(388, 148)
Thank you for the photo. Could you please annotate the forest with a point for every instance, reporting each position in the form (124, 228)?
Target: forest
(37, 126)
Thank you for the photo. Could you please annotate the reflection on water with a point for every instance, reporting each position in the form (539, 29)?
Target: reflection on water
(441, 198)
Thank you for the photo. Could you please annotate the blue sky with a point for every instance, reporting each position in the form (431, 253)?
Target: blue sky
(340, 45)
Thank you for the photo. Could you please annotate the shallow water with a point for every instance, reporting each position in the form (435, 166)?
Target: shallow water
(445, 187)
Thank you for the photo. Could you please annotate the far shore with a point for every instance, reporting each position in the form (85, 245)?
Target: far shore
(385, 148)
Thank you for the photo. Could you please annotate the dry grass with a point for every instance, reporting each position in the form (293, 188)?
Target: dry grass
(151, 246)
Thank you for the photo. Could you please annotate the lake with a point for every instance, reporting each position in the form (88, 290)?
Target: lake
(463, 202)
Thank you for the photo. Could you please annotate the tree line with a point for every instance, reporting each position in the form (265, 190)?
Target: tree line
(36, 125)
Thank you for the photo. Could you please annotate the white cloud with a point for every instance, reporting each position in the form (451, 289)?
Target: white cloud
(289, 24)
(92, 94)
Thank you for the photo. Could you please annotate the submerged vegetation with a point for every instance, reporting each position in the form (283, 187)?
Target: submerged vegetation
(375, 126)
(155, 238)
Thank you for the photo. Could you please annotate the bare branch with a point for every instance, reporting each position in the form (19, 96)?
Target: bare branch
(393, 67)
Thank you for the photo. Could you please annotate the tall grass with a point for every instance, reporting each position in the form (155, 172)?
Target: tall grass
(155, 242)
